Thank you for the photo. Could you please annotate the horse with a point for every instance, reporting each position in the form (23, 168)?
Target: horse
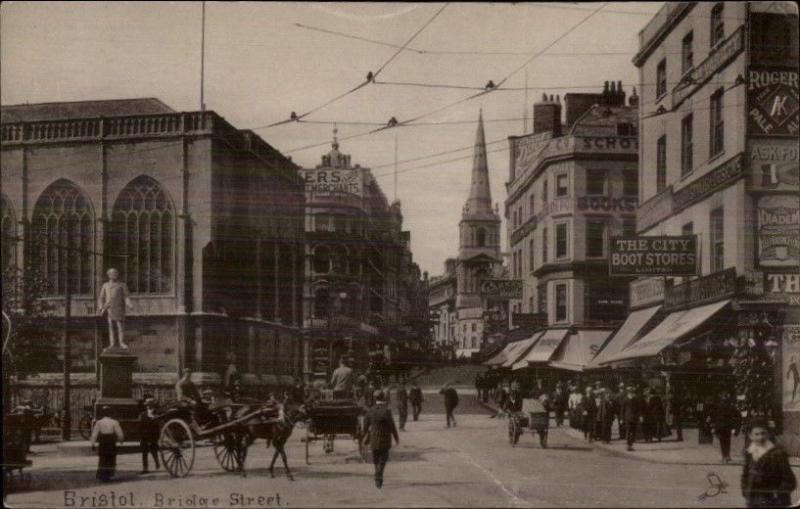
(276, 431)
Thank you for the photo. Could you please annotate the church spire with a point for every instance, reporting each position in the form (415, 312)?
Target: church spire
(479, 202)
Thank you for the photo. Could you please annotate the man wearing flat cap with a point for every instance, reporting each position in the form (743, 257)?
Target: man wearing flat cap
(379, 429)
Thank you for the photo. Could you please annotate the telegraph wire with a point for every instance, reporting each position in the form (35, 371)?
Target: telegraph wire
(293, 117)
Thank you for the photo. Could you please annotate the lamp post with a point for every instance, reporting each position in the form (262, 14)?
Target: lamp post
(66, 421)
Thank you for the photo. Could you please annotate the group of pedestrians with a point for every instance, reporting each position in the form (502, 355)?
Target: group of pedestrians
(594, 409)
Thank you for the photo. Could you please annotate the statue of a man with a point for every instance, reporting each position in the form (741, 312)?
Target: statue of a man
(114, 299)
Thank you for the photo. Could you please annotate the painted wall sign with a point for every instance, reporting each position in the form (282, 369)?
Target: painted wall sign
(502, 288)
(333, 181)
(644, 292)
(791, 368)
(703, 71)
(654, 210)
(525, 149)
(649, 256)
(607, 204)
(523, 231)
(718, 178)
(555, 207)
(773, 100)
(770, 287)
(775, 164)
(778, 230)
(711, 288)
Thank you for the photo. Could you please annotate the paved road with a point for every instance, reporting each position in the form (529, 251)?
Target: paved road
(471, 465)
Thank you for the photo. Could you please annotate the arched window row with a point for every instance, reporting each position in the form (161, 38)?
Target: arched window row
(337, 259)
(63, 235)
(142, 237)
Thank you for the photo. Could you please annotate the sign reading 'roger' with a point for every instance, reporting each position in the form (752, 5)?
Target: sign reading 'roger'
(653, 256)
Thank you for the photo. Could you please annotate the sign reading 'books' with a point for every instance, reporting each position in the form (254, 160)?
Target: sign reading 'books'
(653, 256)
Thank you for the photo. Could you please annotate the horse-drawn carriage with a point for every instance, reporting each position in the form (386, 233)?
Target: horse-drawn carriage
(230, 428)
(328, 418)
(16, 440)
(534, 417)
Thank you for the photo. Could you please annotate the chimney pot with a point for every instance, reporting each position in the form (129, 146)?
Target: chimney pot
(605, 87)
(619, 86)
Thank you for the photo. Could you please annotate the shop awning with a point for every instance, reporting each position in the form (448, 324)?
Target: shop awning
(625, 335)
(521, 348)
(543, 349)
(674, 327)
(465, 353)
(500, 358)
(578, 350)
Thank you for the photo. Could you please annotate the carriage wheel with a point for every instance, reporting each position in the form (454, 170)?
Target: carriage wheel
(85, 427)
(230, 448)
(176, 447)
(513, 432)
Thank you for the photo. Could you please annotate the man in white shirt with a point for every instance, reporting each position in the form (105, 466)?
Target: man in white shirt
(105, 435)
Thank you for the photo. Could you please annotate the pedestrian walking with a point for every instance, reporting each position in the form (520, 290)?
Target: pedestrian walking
(450, 403)
(648, 418)
(588, 409)
(619, 398)
(603, 416)
(631, 414)
(105, 435)
(416, 399)
(658, 415)
(379, 429)
(574, 403)
(560, 402)
(402, 405)
(342, 380)
(725, 419)
(767, 477)
(148, 434)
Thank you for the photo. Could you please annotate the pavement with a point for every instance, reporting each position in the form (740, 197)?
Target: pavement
(471, 465)
(669, 450)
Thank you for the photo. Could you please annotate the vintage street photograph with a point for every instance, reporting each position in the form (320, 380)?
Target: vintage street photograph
(395, 254)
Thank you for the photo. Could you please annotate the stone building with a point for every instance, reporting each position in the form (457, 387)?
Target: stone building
(363, 294)
(203, 221)
(572, 185)
(719, 160)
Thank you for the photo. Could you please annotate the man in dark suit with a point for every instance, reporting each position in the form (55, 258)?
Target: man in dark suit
(631, 413)
(402, 405)
(149, 431)
(379, 428)
(416, 399)
(450, 403)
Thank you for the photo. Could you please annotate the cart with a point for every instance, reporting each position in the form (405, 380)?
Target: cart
(328, 418)
(534, 417)
(228, 429)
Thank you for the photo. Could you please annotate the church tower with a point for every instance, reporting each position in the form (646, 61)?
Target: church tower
(479, 239)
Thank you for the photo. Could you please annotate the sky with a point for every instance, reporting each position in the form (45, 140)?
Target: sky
(260, 66)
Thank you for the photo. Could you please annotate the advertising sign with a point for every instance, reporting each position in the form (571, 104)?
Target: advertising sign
(654, 210)
(717, 286)
(653, 256)
(326, 181)
(645, 292)
(529, 320)
(607, 204)
(523, 231)
(718, 178)
(778, 224)
(525, 149)
(502, 288)
(775, 164)
(703, 71)
(772, 95)
(791, 368)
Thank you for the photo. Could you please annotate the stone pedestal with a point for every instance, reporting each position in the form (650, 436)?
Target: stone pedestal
(116, 389)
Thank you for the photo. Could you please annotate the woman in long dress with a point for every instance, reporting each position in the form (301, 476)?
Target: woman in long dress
(105, 435)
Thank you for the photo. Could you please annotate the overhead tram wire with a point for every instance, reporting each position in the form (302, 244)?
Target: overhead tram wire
(500, 83)
(369, 78)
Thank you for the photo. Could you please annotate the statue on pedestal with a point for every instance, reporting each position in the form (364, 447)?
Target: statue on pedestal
(114, 299)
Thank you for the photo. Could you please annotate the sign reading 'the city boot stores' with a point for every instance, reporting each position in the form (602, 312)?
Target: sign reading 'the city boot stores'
(653, 256)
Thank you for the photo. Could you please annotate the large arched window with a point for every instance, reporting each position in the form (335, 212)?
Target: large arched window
(142, 237)
(63, 232)
(341, 260)
(9, 229)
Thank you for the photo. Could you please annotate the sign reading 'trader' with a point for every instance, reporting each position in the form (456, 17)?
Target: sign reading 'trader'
(653, 256)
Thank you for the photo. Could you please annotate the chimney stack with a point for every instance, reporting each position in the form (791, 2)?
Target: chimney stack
(547, 115)
(634, 99)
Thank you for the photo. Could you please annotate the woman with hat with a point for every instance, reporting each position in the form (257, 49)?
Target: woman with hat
(105, 435)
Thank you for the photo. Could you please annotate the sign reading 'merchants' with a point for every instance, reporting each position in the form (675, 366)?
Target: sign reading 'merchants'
(653, 256)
